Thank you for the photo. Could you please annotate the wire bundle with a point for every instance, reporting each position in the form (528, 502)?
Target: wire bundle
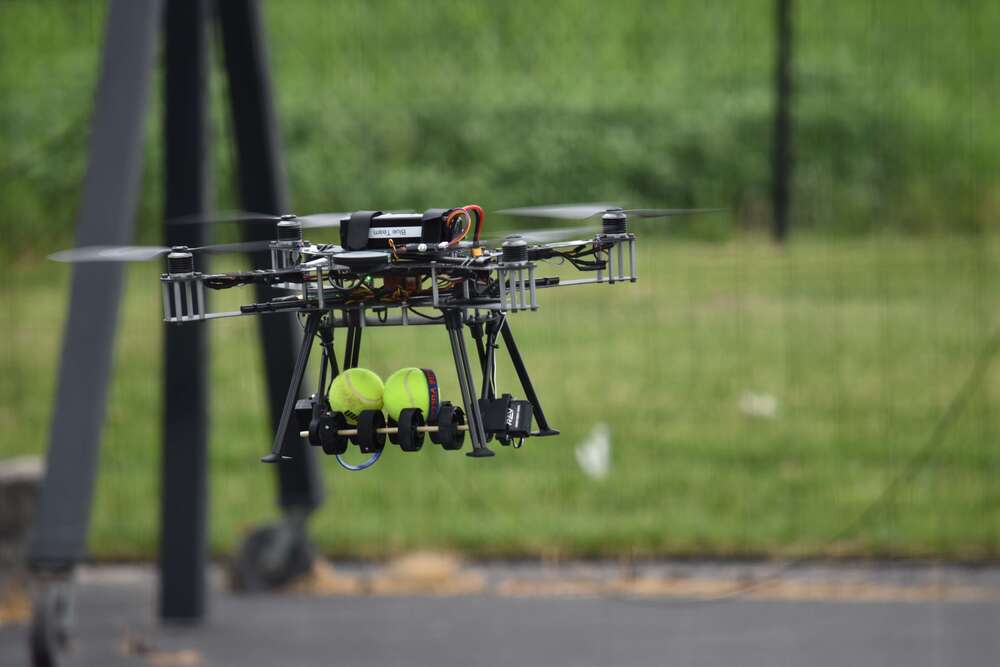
(466, 213)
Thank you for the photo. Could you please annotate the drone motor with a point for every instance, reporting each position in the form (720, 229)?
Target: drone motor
(180, 261)
(614, 222)
(515, 250)
(289, 229)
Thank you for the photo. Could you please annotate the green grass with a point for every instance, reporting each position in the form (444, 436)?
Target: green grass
(397, 104)
(863, 343)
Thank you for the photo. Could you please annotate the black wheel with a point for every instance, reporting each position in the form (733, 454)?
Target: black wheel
(411, 439)
(449, 436)
(272, 556)
(51, 614)
(327, 433)
(393, 437)
(368, 438)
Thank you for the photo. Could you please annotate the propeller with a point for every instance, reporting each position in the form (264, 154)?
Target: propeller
(584, 211)
(144, 253)
(307, 221)
(542, 236)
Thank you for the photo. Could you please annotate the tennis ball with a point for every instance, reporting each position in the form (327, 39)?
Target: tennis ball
(354, 390)
(412, 388)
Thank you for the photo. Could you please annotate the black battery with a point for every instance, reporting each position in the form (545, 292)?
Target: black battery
(400, 228)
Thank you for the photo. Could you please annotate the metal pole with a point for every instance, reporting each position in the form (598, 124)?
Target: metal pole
(262, 188)
(107, 210)
(782, 156)
(184, 471)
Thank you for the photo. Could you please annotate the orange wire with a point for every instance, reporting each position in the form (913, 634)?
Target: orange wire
(451, 217)
(480, 218)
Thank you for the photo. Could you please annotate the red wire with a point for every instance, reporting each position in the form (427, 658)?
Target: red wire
(469, 210)
(480, 218)
(451, 217)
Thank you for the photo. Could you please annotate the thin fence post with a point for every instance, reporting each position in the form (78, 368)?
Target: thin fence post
(782, 149)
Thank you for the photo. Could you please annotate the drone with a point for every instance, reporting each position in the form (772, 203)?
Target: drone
(404, 269)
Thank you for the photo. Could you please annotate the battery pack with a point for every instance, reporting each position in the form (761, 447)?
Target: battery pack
(400, 228)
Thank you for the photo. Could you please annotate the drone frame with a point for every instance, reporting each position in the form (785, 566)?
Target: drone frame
(493, 285)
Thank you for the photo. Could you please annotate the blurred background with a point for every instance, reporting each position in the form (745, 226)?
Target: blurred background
(759, 397)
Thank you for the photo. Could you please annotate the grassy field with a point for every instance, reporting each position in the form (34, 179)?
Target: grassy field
(863, 343)
(863, 337)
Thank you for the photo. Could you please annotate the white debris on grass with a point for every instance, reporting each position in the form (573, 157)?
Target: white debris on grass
(761, 405)
(594, 453)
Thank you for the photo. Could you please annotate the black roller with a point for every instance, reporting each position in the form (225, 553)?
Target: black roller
(393, 437)
(448, 435)
(368, 439)
(328, 429)
(410, 438)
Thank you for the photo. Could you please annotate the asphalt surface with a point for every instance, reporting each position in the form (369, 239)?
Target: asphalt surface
(115, 626)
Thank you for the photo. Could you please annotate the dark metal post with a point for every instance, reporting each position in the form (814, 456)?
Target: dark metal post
(486, 349)
(184, 474)
(278, 452)
(352, 346)
(262, 188)
(477, 432)
(110, 191)
(782, 155)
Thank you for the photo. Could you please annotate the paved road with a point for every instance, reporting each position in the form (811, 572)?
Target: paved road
(290, 630)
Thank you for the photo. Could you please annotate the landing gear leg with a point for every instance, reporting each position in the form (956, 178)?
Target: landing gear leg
(522, 374)
(453, 322)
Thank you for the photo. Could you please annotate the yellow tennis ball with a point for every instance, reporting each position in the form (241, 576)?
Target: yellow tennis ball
(354, 390)
(412, 388)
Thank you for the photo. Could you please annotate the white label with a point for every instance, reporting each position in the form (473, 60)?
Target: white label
(393, 232)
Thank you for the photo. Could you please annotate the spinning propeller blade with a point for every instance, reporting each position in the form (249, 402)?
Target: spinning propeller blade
(322, 220)
(224, 216)
(102, 253)
(317, 220)
(560, 211)
(542, 236)
(143, 253)
(667, 212)
(249, 217)
(584, 211)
